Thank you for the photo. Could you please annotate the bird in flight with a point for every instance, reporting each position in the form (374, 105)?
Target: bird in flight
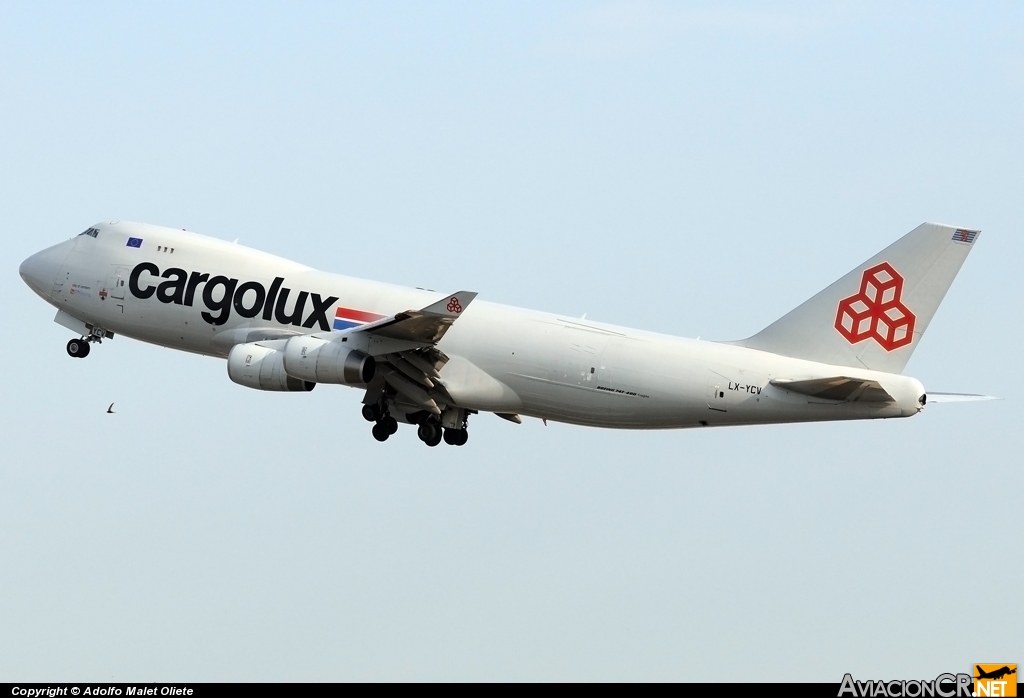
(110, 410)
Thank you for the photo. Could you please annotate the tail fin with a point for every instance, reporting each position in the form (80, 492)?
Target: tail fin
(874, 316)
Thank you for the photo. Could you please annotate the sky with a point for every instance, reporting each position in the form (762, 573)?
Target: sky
(696, 169)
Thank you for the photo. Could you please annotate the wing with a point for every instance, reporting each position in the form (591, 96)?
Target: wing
(426, 325)
(839, 388)
(408, 360)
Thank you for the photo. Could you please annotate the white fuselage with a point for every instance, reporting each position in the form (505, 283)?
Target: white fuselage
(501, 359)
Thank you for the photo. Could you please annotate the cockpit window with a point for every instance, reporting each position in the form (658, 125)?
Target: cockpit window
(91, 232)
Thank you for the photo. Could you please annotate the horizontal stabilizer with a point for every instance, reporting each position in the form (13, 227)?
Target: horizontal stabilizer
(958, 397)
(839, 388)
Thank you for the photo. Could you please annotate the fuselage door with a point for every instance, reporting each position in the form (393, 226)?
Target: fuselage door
(118, 282)
(716, 392)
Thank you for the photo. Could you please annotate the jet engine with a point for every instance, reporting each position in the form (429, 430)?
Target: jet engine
(262, 368)
(310, 358)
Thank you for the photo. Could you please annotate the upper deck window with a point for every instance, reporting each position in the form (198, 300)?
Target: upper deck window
(91, 232)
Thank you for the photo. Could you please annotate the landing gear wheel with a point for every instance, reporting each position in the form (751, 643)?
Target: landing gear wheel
(371, 413)
(380, 431)
(390, 423)
(429, 433)
(78, 348)
(456, 437)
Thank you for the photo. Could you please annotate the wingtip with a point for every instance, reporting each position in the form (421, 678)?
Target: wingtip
(452, 304)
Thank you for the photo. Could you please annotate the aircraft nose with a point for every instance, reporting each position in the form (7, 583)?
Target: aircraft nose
(40, 270)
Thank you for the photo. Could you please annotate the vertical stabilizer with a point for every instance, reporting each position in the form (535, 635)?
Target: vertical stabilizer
(874, 316)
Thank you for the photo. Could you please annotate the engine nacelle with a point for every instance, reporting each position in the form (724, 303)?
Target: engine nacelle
(309, 358)
(263, 369)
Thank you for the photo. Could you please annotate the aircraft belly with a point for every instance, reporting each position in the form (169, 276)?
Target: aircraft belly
(627, 384)
(473, 388)
(644, 384)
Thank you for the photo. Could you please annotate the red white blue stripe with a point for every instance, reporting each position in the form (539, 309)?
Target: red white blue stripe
(965, 236)
(345, 318)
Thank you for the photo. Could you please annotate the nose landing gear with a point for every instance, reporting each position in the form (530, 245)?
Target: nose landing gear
(78, 348)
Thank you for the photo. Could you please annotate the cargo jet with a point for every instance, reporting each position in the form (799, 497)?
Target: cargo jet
(432, 361)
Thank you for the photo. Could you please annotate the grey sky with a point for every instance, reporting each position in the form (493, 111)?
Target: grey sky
(692, 169)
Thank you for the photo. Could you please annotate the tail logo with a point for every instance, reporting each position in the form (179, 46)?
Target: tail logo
(877, 311)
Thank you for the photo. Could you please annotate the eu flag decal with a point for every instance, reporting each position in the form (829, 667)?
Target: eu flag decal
(134, 242)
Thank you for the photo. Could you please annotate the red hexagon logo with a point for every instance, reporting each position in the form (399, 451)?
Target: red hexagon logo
(877, 311)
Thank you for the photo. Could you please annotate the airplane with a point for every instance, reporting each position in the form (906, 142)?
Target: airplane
(433, 361)
(995, 674)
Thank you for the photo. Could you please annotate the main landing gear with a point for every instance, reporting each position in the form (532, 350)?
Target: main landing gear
(456, 437)
(450, 428)
(429, 428)
(385, 425)
(429, 432)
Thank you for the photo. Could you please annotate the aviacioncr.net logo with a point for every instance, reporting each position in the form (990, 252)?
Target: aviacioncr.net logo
(943, 686)
(995, 680)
